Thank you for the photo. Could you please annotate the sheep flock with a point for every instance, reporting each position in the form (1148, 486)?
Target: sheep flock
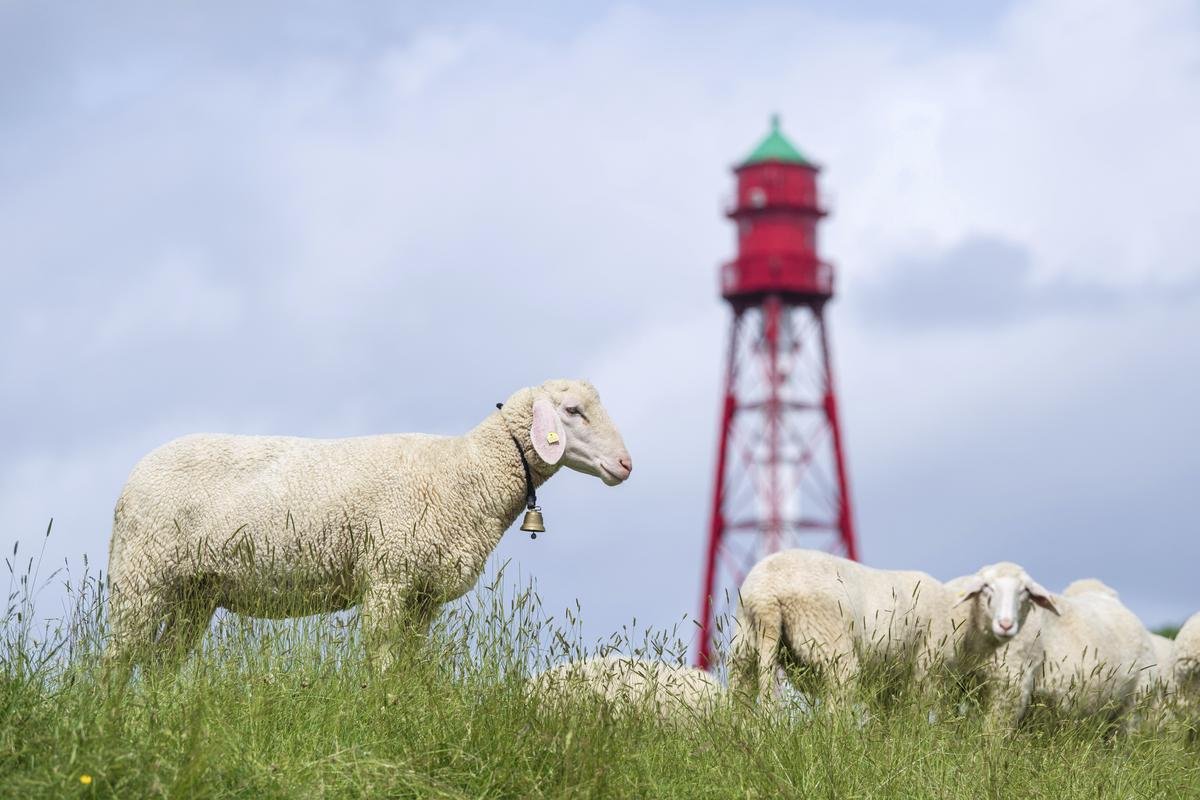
(399, 525)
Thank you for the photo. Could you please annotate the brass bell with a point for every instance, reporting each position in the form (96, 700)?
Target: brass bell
(533, 522)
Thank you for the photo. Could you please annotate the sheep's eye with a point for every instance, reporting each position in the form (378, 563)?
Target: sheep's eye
(574, 411)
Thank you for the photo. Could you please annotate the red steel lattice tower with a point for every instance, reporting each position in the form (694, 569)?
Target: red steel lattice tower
(780, 472)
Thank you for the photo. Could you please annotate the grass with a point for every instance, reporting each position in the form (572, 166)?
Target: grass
(290, 710)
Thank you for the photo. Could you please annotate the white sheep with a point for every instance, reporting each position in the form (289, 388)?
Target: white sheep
(1089, 586)
(625, 684)
(1164, 652)
(1184, 670)
(1185, 660)
(816, 610)
(281, 527)
(1155, 678)
(1089, 659)
(1157, 685)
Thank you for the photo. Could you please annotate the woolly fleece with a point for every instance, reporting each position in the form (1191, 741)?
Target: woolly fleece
(820, 610)
(278, 526)
(625, 684)
(1089, 660)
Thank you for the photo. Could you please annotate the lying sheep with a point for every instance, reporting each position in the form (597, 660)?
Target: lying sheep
(1087, 660)
(815, 610)
(625, 684)
(280, 527)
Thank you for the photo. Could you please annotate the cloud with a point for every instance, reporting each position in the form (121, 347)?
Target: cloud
(343, 222)
(984, 281)
(978, 282)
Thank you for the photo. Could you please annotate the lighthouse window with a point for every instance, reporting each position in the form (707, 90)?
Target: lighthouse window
(758, 197)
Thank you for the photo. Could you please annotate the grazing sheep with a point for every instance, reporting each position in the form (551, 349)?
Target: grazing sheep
(835, 616)
(1089, 659)
(625, 684)
(281, 527)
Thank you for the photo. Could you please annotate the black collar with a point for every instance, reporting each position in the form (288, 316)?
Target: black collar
(530, 493)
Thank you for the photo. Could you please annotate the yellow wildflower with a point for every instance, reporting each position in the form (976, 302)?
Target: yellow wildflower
(85, 779)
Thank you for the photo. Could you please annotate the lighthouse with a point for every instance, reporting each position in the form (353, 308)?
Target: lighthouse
(780, 475)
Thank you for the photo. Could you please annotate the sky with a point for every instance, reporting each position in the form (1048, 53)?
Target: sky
(327, 219)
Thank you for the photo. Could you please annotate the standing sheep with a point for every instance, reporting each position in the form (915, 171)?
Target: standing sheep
(1088, 660)
(819, 611)
(1185, 661)
(1155, 677)
(1164, 651)
(1184, 671)
(282, 527)
(1157, 684)
(1089, 586)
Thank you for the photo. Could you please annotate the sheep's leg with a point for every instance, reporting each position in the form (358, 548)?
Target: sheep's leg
(1008, 701)
(390, 618)
(136, 611)
(1141, 711)
(1004, 713)
(829, 648)
(1185, 711)
(1183, 702)
(185, 627)
(842, 669)
(755, 653)
(1181, 721)
(421, 610)
(926, 682)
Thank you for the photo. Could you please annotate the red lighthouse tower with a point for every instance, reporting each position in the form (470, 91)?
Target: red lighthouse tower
(780, 473)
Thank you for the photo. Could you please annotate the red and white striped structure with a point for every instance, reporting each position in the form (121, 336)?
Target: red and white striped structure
(781, 471)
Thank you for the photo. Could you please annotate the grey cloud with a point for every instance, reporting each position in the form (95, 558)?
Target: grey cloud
(984, 281)
(979, 282)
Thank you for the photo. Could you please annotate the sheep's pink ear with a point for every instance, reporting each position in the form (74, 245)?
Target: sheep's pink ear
(970, 588)
(547, 433)
(1039, 595)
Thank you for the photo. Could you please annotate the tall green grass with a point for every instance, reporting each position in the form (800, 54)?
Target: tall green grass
(268, 709)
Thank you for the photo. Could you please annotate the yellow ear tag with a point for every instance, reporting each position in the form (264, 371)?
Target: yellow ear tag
(552, 437)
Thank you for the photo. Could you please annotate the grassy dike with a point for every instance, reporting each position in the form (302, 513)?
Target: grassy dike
(290, 710)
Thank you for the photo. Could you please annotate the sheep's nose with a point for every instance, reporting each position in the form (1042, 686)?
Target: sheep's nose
(1006, 624)
(627, 463)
